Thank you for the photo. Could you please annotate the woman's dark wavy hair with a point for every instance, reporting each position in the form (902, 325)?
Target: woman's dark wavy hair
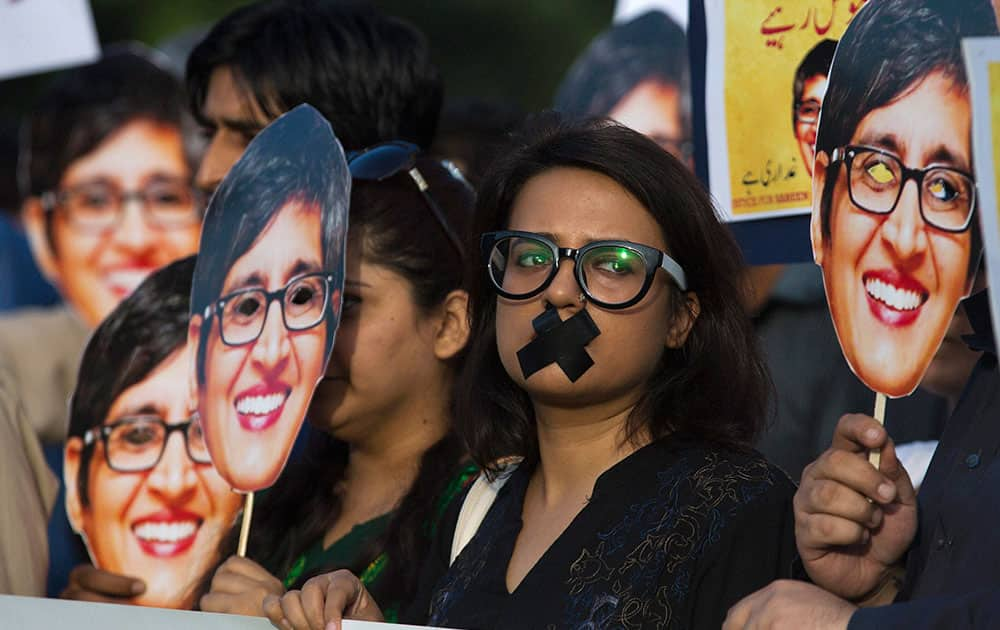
(290, 161)
(889, 48)
(139, 334)
(716, 386)
(369, 74)
(392, 221)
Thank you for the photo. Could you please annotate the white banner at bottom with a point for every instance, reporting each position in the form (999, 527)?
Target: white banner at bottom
(57, 614)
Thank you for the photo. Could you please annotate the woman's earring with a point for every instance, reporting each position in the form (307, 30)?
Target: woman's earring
(583, 298)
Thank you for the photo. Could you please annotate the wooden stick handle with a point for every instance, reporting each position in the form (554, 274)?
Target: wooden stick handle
(875, 455)
(241, 550)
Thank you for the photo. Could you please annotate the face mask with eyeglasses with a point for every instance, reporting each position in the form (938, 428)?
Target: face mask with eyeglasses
(612, 274)
(304, 300)
(98, 206)
(875, 181)
(136, 443)
(243, 313)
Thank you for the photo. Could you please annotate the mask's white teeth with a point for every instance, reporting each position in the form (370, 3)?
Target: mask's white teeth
(166, 532)
(260, 405)
(129, 279)
(892, 296)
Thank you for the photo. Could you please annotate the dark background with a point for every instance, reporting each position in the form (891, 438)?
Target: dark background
(514, 52)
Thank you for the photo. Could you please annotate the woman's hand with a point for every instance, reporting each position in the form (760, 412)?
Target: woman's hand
(790, 604)
(239, 587)
(322, 603)
(90, 584)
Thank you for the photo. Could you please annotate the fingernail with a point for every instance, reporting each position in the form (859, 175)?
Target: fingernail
(872, 434)
(886, 491)
(138, 587)
(865, 537)
(333, 625)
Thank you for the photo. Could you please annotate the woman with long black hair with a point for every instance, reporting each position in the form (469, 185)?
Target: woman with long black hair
(613, 390)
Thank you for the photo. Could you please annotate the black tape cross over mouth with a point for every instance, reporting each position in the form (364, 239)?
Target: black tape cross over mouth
(558, 341)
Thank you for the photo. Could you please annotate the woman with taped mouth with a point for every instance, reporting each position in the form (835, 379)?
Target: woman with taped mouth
(140, 487)
(383, 461)
(613, 391)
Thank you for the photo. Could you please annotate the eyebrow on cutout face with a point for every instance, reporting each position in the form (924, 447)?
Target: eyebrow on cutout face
(941, 154)
(146, 409)
(258, 279)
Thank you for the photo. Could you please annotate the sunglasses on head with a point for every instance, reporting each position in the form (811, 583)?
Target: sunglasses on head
(384, 160)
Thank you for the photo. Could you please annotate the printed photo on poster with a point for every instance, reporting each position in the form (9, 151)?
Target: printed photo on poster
(894, 195)
(267, 294)
(637, 73)
(147, 506)
(766, 70)
(982, 62)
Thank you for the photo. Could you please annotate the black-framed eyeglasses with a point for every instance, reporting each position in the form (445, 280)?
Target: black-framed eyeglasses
(243, 313)
(136, 443)
(384, 160)
(807, 111)
(612, 274)
(875, 181)
(99, 205)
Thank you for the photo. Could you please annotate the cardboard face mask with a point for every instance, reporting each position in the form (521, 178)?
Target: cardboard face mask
(636, 73)
(140, 487)
(267, 294)
(893, 196)
(162, 525)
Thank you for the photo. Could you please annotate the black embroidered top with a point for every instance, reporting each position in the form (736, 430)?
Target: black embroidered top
(672, 537)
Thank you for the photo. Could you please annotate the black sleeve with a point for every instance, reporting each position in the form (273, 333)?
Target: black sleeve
(755, 550)
(975, 610)
(435, 564)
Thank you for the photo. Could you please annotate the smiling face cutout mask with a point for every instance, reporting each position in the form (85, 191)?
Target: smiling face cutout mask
(893, 223)
(267, 294)
(140, 489)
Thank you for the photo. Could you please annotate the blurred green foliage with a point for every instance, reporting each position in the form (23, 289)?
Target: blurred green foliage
(514, 52)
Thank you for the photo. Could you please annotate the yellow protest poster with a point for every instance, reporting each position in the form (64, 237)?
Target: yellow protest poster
(766, 70)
